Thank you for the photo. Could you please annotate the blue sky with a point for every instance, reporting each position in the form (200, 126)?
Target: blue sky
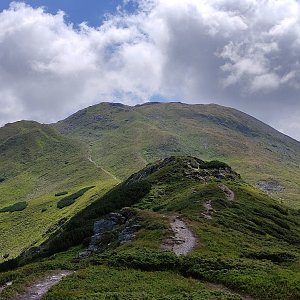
(77, 11)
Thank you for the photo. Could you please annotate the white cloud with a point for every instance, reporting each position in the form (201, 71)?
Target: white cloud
(242, 53)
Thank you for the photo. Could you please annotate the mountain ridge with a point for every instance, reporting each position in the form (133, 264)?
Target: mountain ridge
(209, 131)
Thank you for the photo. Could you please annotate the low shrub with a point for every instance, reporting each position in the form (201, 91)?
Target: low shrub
(60, 194)
(215, 164)
(276, 257)
(69, 200)
(15, 207)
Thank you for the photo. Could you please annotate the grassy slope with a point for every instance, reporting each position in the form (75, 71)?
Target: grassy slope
(124, 139)
(250, 245)
(37, 162)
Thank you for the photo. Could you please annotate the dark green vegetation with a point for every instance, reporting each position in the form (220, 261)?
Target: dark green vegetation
(250, 245)
(60, 194)
(123, 139)
(68, 200)
(15, 207)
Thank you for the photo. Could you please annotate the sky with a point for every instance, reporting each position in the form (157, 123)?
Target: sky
(59, 56)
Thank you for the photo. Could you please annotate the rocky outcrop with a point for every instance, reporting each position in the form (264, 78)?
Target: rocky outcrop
(192, 167)
(269, 186)
(128, 233)
(122, 224)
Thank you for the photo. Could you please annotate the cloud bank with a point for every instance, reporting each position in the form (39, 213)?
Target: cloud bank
(240, 53)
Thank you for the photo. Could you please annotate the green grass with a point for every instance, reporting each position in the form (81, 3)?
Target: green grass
(30, 227)
(110, 283)
(37, 163)
(106, 282)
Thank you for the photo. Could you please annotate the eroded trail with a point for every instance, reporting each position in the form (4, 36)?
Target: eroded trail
(38, 289)
(100, 167)
(229, 193)
(209, 210)
(183, 241)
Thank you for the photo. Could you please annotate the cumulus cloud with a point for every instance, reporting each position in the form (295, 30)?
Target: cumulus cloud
(238, 53)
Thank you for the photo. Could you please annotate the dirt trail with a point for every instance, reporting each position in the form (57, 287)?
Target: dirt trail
(100, 167)
(209, 210)
(229, 193)
(183, 240)
(223, 288)
(38, 289)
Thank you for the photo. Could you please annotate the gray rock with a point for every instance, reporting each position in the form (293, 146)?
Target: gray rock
(128, 233)
(269, 185)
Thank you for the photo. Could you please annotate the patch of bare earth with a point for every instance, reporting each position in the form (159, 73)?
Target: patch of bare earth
(183, 240)
(207, 214)
(38, 289)
(228, 192)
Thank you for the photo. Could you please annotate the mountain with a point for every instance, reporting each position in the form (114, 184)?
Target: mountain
(124, 139)
(180, 228)
(48, 173)
(36, 162)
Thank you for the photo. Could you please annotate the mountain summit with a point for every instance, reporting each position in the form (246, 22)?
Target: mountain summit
(123, 139)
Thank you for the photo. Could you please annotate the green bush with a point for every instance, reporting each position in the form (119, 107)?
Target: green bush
(276, 257)
(215, 164)
(144, 259)
(60, 194)
(15, 207)
(69, 200)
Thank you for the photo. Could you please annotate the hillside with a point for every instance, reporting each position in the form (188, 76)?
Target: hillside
(36, 162)
(46, 171)
(238, 243)
(124, 139)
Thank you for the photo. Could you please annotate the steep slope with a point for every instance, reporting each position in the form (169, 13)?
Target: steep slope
(246, 244)
(123, 139)
(36, 162)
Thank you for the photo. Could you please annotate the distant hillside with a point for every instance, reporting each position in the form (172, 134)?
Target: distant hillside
(123, 139)
(37, 162)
